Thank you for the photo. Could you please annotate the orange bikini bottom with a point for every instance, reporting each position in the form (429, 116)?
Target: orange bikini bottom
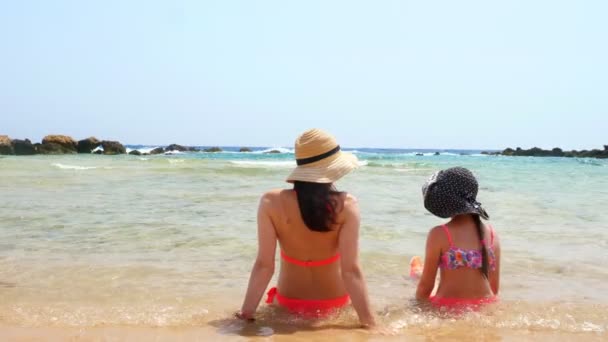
(309, 308)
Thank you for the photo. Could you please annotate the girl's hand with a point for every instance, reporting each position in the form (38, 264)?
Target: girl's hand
(416, 266)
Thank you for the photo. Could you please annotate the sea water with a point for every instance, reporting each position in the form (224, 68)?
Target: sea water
(167, 242)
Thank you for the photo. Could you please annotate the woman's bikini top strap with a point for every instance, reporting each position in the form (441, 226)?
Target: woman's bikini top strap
(310, 263)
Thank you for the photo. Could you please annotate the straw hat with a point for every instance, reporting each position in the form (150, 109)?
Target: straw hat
(319, 158)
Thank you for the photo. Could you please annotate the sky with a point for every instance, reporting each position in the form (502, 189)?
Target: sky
(395, 74)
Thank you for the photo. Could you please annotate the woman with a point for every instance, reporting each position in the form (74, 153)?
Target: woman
(317, 229)
(465, 250)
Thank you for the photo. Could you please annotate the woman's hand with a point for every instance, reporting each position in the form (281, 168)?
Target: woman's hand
(244, 316)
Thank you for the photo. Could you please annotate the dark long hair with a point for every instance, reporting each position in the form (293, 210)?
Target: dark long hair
(317, 204)
(484, 249)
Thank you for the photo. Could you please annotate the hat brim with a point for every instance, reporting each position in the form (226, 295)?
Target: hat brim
(325, 171)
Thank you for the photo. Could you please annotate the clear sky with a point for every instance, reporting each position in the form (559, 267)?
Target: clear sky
(419, 74)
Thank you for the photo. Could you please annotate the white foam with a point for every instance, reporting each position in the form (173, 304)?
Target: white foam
(284, 163)
(146, 149)
(280, 149)
(265, 163)
(173, 152)
(73, 167)
(98, 148)
(176, 161)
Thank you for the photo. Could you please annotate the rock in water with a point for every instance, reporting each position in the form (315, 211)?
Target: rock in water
(273, 152)
(113, 147)
(135, 153)
(6, 146)
(245, 149)
(88, 145)
(176, 147)
(23, 147)
(68, 144)
(53, 148)
(213, 149)
(158, 150)
(180, 148)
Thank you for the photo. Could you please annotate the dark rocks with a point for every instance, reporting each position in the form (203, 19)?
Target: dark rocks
(213, 149)
(419, 154)
(88, 145)
(158, 150)
(23, 147)
(273, 152)
(135, 153)
(245, 149)
(6, 146)
(180, 148)
(437, 153)
(509, 151)
(556, 152)
(53, 148)
(113, 147)
(67, 143)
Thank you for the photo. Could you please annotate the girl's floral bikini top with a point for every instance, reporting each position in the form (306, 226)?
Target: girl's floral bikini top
(456, 257)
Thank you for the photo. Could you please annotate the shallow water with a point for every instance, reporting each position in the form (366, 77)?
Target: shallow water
(91, 241)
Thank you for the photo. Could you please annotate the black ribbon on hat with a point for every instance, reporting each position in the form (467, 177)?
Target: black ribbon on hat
(304, 161)
(481, 210)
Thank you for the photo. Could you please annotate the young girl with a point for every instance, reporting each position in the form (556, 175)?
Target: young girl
(465, 250)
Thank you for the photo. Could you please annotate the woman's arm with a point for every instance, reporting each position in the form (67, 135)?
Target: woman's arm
(431, 262)
(349, 256)
(495, 275)
(263, 268)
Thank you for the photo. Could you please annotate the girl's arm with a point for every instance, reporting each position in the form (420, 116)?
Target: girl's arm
(263, 268)
(351, 271)
(495, 275)
(431, 263)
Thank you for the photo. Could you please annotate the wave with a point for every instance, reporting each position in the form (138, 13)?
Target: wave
(142, 149)
(73, 167)
(273, 164)
(265, 163)
(280, 149)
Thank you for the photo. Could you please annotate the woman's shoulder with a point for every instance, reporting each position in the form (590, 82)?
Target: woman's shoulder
(272, 195)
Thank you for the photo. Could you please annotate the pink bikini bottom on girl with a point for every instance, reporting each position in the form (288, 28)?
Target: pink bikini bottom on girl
(308, 308)
(461, 304)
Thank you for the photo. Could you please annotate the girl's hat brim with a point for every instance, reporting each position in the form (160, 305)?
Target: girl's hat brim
(327, 170)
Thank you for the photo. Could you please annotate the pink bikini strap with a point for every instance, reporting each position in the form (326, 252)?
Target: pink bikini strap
(491, 237)
(447, 232)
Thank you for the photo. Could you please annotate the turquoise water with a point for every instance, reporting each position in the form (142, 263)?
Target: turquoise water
(169, 240)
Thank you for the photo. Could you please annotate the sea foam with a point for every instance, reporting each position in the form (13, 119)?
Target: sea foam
(73, 167)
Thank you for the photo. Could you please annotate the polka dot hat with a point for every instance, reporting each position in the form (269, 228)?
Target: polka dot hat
(452, 192)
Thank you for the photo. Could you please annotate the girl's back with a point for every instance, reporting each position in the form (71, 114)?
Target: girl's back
(459, 250)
